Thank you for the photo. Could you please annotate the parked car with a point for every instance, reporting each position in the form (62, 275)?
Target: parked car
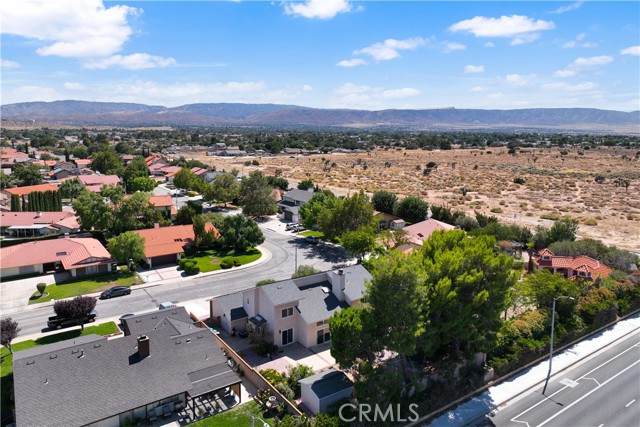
(312, 239)
(55, 322)
(116, 291)
(166, 304)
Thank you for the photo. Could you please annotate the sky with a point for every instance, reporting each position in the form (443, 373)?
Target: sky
(324, 53)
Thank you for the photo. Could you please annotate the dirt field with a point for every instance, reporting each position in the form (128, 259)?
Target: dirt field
(555, 185)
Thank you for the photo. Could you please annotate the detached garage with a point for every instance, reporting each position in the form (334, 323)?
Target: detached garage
(320, 391)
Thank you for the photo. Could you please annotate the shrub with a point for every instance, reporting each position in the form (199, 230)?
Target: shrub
(519, 180)
(265, 282)
(226, 263)
(191, 269)
(274, 377)
(598, 307)
(496, 210)
(41, 287)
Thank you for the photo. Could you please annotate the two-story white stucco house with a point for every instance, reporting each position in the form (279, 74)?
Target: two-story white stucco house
(294, 310)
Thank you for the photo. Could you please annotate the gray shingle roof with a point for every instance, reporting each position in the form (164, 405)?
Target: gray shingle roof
(316, 305)
(87, 382)
(327, 383)
(148, 321)
(302, 196)
(356, 279)
(281, 292)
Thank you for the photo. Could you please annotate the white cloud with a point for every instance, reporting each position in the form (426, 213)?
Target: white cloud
(572, 6)
(478, 89)
(519, 79)
(388, 49)
(6, 64)
(577, 42)
(135, 61)
(317, 9)
(583, 63)
(307, 88)
(489, 44)
(452, 46)
(31, 93)
(351, 95)
(632, 50)
(565, 87)
(69, 28)
(351, 62)
(401, 93)
(74, 86)
(470, 69)
(521, 29)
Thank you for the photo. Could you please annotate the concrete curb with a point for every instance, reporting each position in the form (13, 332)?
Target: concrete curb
(505, 377)
(266, 256)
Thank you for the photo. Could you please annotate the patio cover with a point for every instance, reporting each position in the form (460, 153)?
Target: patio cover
(211, 379)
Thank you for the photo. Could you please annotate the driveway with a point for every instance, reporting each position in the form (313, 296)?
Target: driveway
(15, 294)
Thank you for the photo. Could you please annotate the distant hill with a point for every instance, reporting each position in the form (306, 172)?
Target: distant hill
(84, 113)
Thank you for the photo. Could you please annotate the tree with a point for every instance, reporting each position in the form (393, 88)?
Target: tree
(305, 185)
(310, 211)
(141, 183)
(279, 182)
(412, 209)
(359, 242)
(384, 201)
(4, 181)
(9, 331)
(41, 287)
(92, 211)
(240, 233)
(107, 162)
(354, 336)
(185, 179)
(134, 213)
(137, 168)
(26, 174)
(257, 196)
(76, 309)
(224, 188)
(305, 270)
(127, 246)
(70, 188)
(15, 203)
(185, 215)
(564, 229)
(346, 215)
(543, 286)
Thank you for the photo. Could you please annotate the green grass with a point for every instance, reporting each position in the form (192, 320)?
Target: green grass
(238, 416)
(72, 288)
(6, 367)
(318, 234)
(210, 260)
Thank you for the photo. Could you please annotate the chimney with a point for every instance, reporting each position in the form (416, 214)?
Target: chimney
(143, 346)
(38, 214)
(340, 272)
(156, 225)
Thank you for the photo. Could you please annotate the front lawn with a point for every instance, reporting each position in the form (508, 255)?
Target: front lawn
(238, 416)
(75, 287)
(318, 234)
(6, 367)
(210, 260)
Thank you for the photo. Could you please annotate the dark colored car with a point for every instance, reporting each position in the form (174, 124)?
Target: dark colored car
(116, 291)
(312, 239)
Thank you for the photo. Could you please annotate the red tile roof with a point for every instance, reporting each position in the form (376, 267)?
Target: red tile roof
(420, 231)
(82, 162)
(89, 180)
(72, 253)
(67, 219)
(581, 263)
(31, 188)
(163, 201)
(169, 240)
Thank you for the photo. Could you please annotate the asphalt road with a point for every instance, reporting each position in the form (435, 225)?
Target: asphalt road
(279, 267)
(601, 391)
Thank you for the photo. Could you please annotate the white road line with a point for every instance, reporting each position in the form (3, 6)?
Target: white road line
(589, 393)
(585, 378)
(601, 425)
(565, 387)
(629, 404)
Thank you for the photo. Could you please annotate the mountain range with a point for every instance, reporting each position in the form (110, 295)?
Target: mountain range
(86, 113)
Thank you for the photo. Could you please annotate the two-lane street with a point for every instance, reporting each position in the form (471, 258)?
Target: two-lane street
(279, 267)
(601, 391)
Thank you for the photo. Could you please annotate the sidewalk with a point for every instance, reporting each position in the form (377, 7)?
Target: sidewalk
(152, 277)
(497, 395)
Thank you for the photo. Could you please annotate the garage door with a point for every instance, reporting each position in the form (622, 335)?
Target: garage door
(288, 216)
(163, 260)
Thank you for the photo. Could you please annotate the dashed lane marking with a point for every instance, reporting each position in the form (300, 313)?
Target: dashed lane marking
(629, 404)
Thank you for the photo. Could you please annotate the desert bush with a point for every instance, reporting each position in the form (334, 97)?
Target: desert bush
(226, 263)
(519, 180)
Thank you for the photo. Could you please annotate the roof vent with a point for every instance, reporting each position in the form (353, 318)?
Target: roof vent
(81, 354)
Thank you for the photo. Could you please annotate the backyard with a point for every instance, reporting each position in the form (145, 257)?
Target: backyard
(236, 417)
(6, 367)
(211, 260)
(72, 288)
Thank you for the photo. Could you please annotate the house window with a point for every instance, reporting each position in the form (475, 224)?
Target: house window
(323, 335)
(287, 336)
(322, 322)
(287, 312)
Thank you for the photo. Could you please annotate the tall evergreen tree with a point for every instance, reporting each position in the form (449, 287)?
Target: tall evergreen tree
(15, 203)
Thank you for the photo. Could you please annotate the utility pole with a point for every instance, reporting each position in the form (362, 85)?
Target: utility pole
(553, 321)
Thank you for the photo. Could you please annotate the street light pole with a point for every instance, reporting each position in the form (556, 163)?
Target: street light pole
(296, 261)
(553, 322)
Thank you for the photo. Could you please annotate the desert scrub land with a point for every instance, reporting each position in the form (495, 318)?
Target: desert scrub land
(550, 183)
